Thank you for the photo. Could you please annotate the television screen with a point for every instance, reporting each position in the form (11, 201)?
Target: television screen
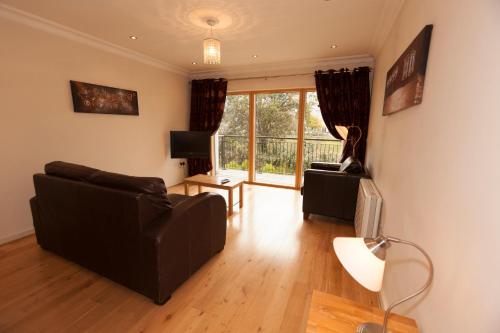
(185, 144)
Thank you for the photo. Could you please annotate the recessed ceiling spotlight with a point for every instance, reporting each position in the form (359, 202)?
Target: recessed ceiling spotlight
(194, 63)
(334, 46)
(255, 55)
(133, 37)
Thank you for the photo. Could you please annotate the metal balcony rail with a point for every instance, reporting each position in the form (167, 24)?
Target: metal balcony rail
(275, 154)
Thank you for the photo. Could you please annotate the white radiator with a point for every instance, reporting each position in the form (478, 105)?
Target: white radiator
(367, 209)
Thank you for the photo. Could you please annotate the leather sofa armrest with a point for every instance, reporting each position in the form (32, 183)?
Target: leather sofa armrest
(325, 166)
(203, 206)
(37, 221)
(177, 243)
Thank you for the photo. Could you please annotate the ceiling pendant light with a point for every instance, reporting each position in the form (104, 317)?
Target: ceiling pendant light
(211, 46)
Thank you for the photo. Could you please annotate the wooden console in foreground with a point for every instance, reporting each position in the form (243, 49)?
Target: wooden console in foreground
(332, 314)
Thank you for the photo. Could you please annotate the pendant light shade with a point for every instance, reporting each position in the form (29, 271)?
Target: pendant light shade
(211, 51)
(211, 46)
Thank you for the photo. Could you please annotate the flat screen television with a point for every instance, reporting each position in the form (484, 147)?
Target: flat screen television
(189, 144)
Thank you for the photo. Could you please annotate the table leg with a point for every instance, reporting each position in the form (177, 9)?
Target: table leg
(199, 188)
(241, 195)
(230, 202)
(186, 188)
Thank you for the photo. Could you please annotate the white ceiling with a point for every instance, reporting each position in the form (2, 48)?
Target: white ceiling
(279, 31)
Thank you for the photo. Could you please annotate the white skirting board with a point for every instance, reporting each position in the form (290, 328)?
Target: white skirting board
(16, 235)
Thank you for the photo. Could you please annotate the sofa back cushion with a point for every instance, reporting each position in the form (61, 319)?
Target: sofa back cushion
(155, 201)
(69, 170)
(154, 188)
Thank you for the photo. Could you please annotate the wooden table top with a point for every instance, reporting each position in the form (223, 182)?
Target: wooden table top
(214, 181)
(332, 314)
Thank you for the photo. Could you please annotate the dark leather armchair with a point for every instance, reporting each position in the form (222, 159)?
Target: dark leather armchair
(127, 228)
(331, 189)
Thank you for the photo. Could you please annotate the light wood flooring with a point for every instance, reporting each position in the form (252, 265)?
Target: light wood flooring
(260, 282)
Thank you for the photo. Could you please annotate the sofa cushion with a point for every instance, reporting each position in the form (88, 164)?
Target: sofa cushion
(153, 187)
(351, 165)
(150, 185)
(69, 170)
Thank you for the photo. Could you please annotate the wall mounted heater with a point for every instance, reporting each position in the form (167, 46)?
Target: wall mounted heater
(368, 206)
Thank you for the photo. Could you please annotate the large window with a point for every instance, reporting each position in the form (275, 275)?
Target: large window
(271, 137)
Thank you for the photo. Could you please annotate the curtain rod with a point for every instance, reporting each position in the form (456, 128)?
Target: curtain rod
(278, 76)
(268, 77)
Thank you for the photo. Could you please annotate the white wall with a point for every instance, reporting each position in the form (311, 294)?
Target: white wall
(38, 124)
(436, 166)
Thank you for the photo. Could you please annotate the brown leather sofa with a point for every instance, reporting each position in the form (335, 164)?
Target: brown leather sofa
(331, 189)
(125, 228)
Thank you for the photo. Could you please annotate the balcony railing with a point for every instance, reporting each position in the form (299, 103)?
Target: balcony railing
(275, 154)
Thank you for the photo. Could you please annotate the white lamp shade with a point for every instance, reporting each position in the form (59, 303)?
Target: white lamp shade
(360, 262)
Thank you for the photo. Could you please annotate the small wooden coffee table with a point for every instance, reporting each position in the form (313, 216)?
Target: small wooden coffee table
(215, 182)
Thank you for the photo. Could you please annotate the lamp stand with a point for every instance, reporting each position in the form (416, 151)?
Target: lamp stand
(370, 328)
(377, 328)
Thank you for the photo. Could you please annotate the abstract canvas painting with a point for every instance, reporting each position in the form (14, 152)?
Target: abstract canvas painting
(93, 98)
(405, 80)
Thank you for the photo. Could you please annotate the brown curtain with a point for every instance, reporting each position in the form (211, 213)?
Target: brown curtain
(344, 100)
(207, 106)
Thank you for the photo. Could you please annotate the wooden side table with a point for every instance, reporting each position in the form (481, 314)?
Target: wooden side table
(332, 314)
(214, 181)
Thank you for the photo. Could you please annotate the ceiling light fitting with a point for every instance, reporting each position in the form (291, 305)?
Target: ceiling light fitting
(133, 37)
(211, 46)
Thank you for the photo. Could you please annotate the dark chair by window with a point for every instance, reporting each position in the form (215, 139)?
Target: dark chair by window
(331, 189)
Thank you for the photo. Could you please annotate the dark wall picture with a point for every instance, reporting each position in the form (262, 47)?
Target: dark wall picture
(93, 98)
(404, 85)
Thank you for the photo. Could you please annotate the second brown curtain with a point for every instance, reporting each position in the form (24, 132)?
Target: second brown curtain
(344, 100)
(208, 98)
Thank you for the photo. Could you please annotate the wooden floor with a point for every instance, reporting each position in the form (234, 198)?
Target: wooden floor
(261, 282)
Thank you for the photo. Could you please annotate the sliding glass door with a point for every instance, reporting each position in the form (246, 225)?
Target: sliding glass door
(276, 119)
(271, 137)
